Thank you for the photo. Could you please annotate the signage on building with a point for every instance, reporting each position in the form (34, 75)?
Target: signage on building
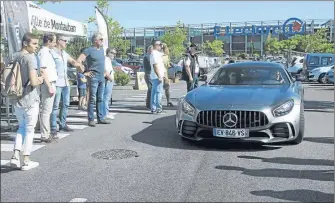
(43, 20)
(290, 27)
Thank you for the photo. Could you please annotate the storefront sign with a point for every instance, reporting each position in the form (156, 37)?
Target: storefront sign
(292, 26)
(46, 21)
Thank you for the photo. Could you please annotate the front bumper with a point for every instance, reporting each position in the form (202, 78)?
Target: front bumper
(278, 129)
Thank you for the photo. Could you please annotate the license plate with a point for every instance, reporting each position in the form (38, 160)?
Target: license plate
(230, 132)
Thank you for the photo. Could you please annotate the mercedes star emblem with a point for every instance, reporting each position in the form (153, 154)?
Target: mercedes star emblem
(230, 120)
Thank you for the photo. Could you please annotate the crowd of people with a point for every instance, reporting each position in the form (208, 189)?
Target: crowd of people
(156, 64)
(46, 89)
(45, 82)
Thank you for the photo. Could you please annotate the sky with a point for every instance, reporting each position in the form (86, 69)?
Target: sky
(133, 14)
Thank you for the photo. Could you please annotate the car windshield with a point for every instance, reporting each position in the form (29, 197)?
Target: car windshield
(249, 76)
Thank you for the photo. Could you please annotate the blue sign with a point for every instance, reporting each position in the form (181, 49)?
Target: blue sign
(292, 26)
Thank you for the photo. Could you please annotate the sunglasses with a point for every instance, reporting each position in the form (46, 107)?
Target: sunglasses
(158, 44)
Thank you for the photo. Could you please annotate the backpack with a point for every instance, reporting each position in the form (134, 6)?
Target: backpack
(11, 81)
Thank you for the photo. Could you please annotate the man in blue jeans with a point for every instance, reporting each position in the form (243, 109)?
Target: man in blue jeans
(156, 77)
(61, 59)
(95, 58)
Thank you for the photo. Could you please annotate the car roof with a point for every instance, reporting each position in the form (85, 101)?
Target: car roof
(253, 64)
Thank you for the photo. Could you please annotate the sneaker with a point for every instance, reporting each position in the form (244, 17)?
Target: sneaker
(104, 121)
(111, 116)
(160, 112)
(15, 163)
(29, 165)
(91, 123)
(66, 128)
(47, 140)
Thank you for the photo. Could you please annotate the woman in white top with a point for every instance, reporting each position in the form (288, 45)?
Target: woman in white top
(109, 76)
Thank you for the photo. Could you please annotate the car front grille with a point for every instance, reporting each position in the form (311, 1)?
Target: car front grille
(245, 119)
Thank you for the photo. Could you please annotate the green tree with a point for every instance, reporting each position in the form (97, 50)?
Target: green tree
(175, 40)
(139, 51)
(75, 46)
(214, 48)
(316, 42)
(272, 45)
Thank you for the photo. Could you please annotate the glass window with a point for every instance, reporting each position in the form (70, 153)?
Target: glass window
(314, 60)
(250, 76)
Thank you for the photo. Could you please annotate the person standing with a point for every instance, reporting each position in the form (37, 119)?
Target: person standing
(27, 107)
(156, 77)
(167, 65)
(81, 83)
(48, 89)
(62, 86)
(109, 76)
(95, 58)
(147, 71)
(191, 68)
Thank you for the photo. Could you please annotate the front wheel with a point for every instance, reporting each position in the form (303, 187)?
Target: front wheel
(322, 78)
(300, 135)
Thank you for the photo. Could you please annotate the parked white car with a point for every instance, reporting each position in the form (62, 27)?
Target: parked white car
(319, 74)
(296, 65)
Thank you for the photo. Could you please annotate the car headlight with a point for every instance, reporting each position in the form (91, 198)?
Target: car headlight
(187, 108)
(283, 109)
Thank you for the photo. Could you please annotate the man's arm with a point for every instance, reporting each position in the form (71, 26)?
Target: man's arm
(81, 58)
(79, 66)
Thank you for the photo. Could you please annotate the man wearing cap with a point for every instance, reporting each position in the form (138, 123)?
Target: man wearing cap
(62, 85)
(156, 77)
(191, 66)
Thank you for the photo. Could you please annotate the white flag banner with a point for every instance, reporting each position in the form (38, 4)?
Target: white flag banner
(102, 27)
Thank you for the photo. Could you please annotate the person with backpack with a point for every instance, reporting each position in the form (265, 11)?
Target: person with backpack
(191, 68)
(25, 102)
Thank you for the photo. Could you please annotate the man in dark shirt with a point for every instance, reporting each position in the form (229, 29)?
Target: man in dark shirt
(147, 71)
(95, 58)
(191, 68)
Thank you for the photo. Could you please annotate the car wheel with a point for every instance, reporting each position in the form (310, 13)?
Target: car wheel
(301, 132)
(322, 78)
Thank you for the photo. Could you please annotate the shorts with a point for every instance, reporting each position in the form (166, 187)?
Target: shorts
(82, 92)
(166, 81)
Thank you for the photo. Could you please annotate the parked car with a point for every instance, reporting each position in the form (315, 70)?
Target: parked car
(319, 74)
(330, 76)
(134, 65)
(316, 60)
(118, 67)
(246, 101)
(296, 65)
(174, 71)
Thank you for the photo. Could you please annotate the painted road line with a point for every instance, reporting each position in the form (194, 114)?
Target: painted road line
(5, 162)
(77, 127)
(85, 113)
(78, 200)
(36, 135)
(10, 147)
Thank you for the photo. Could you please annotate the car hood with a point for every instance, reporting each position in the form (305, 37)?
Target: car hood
(207, 97)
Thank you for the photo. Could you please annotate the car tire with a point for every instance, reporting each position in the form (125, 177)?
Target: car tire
(322, 78)
(300, 135)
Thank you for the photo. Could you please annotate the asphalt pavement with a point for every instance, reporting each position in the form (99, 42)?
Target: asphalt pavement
(90, 164)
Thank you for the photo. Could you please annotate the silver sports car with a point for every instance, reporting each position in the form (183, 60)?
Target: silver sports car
(248, 101)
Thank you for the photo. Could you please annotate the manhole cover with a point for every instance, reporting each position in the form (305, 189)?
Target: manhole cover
(114, 154)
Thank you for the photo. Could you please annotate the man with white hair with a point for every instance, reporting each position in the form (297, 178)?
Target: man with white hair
(95, 58)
